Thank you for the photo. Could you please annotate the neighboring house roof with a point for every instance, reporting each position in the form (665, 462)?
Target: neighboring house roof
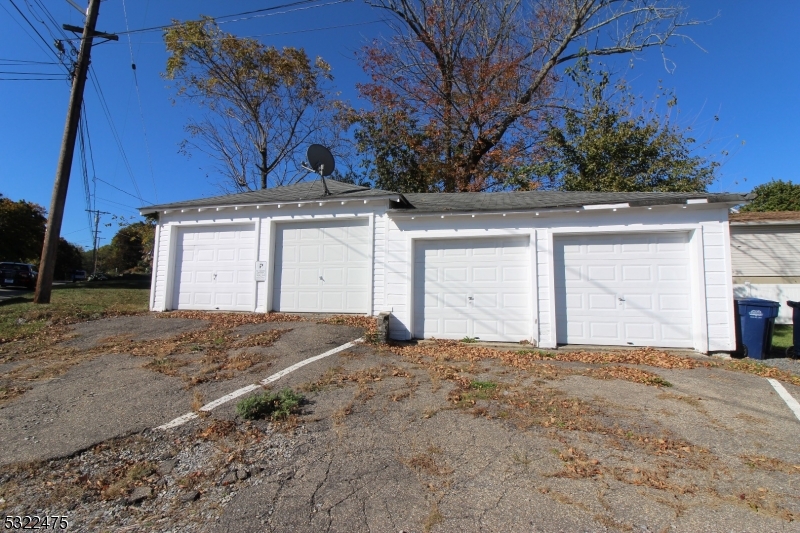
(768, 217)
(299, 192)
(530, 200)
(448, 202)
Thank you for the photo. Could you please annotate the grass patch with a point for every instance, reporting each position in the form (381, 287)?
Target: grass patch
(485, 386)
(782, 340)
(275, 405)
(69, 305)
(469, 340)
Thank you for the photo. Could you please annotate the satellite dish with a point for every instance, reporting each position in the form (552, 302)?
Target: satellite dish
(320, 159)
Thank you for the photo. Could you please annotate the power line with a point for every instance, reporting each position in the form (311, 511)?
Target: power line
(273, 8)
(124, 191)
(27, 73)
(107, 112)
(32, 79)
(139, 99)
(45, 49)
(30, 61)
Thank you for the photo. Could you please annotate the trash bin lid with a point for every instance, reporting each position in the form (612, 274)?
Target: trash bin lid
(758, 302)
(795, 305)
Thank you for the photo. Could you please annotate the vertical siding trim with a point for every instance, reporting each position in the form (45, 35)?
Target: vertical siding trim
(371, 288)
(726, 244)
(170, 273)
(551, 289)
(534, 274)
(272, 255)
(257, 255)
(154, 266)
(410, 245)
(700, 318)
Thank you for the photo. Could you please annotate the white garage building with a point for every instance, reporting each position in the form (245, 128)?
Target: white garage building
(635, 269)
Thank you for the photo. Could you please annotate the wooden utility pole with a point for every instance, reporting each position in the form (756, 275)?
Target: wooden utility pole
(44, 283)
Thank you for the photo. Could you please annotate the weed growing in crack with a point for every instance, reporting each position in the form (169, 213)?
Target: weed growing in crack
(275, 405)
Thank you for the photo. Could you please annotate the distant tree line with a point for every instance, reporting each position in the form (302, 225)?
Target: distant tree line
(462, 96)
(22, 228)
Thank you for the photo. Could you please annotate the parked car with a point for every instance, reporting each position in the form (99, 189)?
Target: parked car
(98, 277)
(18, 274)
(79, 275)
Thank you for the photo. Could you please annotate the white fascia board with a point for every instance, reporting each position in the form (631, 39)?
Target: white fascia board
(697, 201)
(795, 222)
(258, 205)
(607, 206)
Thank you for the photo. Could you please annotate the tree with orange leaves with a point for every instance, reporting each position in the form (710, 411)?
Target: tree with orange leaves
(462, 91)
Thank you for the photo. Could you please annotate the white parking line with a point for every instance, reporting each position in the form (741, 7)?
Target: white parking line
(244, 390)
(784, 394)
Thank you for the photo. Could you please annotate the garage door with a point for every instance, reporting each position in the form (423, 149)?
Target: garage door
(473, 288)
(214, 269)
(322, 267)
(624, 290)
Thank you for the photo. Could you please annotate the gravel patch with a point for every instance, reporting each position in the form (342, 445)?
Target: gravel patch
(783, 363)
(139, 328)
(161, 481)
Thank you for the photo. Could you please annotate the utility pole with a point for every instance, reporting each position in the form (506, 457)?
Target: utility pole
(95, 241)
(44, 283)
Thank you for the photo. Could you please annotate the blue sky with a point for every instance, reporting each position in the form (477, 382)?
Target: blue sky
(747, 77)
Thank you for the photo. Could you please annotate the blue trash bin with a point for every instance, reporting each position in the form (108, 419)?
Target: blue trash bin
(794, 351)
(755, 322)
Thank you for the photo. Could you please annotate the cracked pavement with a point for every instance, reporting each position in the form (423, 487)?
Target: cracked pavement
(389, 443)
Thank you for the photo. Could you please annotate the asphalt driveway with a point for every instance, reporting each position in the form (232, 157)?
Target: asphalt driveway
(417, 438)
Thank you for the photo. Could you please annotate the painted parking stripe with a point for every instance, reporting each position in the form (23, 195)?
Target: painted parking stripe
(250, 388)
(784, 394)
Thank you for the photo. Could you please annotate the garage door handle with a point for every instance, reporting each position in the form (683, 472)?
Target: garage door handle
(621, 299)
(215, 276)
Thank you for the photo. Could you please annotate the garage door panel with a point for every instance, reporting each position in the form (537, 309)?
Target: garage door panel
(485, 328)
(637, 273)
(640, 331)
(601, 273)
(455, 301)
(602, 302)
(674, 302)
(673, 273)
(457, 327)
(484, 274)
(624, 289)
(328, 271)
(638, 302)
(473, 287)
(516, 301)
(214, 268)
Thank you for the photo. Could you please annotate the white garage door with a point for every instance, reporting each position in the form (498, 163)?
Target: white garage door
(215, 269)
(322, 267)
(473, 288)
(632, 289)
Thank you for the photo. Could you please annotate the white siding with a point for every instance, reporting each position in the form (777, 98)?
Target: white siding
(379, 276)
(268, 217)
(765, 250)
(712, 286)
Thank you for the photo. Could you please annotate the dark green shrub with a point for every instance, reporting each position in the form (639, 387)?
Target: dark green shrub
(275, 405)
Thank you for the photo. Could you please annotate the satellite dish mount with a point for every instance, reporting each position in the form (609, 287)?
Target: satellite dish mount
(320, 161)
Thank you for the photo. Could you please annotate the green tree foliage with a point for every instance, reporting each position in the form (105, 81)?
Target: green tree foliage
(264, 105)
(22, 226)
(776, 195)
(607, 145)
(461, 91)
(69, 257)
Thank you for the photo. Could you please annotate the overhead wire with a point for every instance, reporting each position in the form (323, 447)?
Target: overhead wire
(104, 106)
(46, 48)
(139, 99)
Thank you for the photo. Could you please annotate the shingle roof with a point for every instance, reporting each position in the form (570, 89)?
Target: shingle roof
(447, 202)
(304, 191)
(505, 201)
(766, 217)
